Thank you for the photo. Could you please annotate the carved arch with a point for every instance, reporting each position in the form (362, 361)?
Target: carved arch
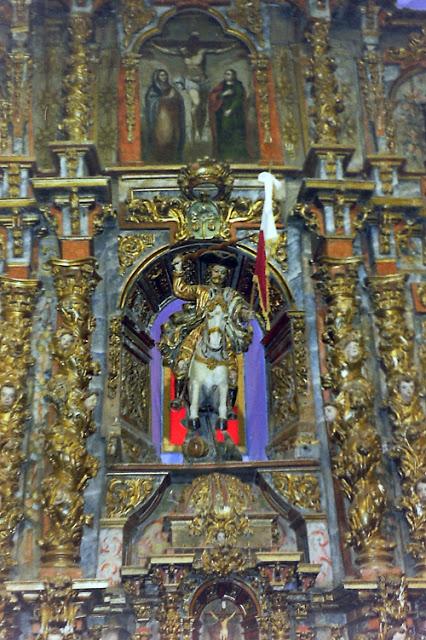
(143, 37)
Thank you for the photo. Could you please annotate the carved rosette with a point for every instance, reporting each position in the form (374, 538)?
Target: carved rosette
(327, 101)
(406, 411)
(77, 83)
(18, 298)
(357, 462)
(69, 465)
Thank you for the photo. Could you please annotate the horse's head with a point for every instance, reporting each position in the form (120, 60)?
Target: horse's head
(216, 317)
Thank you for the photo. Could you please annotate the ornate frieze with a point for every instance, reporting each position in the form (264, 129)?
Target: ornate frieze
(69, 465)
(413, 52)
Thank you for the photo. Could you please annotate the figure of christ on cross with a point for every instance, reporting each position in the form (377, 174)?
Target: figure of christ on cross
(194, 53)
(224, 622)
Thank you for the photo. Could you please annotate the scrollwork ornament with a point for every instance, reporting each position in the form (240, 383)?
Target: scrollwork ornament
(72, 404)
(176, 212)
(131, 247)
(414, 51)
(125, 494)
(301, 490)
(18, 298)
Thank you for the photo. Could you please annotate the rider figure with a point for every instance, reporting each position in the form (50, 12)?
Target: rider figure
(181, 334)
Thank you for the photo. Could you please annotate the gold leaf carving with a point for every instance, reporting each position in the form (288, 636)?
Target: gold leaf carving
(223, 561)
(125, 494)
(130, 247)
(327, 101)
(219, 503)
(18, 299)
(415, 51)
(77, 83)
(72, 403)
(300, 490)
(349, 414)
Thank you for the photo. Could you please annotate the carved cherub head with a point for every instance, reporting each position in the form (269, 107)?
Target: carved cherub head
(420, 490)
(352, 347)
(8, 395)
(406, 388)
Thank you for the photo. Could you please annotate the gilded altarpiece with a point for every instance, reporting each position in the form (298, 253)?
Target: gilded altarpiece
(286, 498)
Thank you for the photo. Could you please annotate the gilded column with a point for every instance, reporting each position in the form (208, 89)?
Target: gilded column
(327, 101)
(357, 455)
(77, 84)
(18, 298)
(405, 407)
(70, 466)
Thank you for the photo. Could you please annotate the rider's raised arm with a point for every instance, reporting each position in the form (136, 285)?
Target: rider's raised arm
(181, 288)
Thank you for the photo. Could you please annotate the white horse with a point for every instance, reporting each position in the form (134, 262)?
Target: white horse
(209, 368)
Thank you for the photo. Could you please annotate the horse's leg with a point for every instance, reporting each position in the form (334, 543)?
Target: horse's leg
(194, 403)
(223, 404)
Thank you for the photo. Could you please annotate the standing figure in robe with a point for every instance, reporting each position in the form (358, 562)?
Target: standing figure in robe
(165, 117)
(228, 118)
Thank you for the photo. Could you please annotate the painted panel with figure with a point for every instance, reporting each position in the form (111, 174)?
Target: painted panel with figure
(197, 95)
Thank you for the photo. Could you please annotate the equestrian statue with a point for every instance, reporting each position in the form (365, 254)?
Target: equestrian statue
(201, 342)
